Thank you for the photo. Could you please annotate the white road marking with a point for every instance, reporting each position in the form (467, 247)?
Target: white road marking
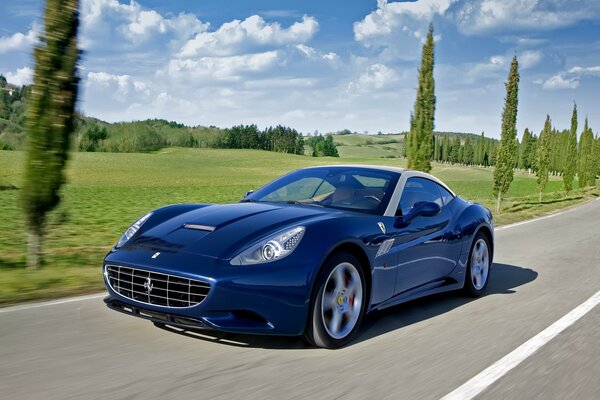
(52, 302)
(487, 377)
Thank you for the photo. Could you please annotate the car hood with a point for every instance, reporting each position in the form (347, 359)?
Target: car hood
(224, 230)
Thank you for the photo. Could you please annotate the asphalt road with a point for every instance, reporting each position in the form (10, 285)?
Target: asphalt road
(421, 350)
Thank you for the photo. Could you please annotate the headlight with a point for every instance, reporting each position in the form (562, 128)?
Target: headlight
(273, 248)
(132, 230)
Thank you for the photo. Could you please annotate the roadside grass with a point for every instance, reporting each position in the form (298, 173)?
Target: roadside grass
(108, 191)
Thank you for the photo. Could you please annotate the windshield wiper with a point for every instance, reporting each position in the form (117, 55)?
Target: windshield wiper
(302, 203)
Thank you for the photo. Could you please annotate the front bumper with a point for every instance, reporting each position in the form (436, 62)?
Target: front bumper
(158, 317)
(262, 299)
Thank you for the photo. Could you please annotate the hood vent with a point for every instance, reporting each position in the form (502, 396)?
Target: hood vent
(199, 227)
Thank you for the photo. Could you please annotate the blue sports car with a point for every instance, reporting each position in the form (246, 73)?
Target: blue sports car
(307, 254)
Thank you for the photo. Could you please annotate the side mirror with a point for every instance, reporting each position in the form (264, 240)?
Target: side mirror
(248, 193)
(422, 208)
(428, 208)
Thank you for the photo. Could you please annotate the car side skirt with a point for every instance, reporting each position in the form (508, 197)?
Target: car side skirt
(445, 285)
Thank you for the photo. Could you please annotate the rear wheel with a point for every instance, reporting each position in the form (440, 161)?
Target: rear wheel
(338, 302)
(479, 266)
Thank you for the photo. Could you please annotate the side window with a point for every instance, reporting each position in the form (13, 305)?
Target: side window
(417, 190)
(446, 195)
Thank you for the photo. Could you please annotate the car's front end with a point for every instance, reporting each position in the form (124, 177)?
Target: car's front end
(205, 292)
(218, 276)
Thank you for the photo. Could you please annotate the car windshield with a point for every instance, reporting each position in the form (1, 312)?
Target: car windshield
(357, 189)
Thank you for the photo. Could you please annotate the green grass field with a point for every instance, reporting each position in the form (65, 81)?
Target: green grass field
(369, 146)
(108, 191)
(357, 139)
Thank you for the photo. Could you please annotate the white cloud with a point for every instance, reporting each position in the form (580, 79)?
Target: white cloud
(221, 68)
(22, 76)
(497, 66)
(17, 41)
(307, 50)
(331, 56)
(592, 71)
(559, 81)
(376, 77)
(179, 68)
(525, 41)
(406, 18)
(481, 16)
(146, 21)
(236, 35)
(529, 59)
(310, 52)
(110, 21)
(569, 79)
(119, 85)
(280, 83)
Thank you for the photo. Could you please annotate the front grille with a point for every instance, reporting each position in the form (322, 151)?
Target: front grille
(156, 288)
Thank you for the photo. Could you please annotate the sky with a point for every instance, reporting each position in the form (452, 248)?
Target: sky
(320, 65)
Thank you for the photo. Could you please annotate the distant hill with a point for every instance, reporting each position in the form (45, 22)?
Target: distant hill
(360, 145)
(93, 134)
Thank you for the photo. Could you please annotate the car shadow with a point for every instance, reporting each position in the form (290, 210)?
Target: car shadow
(505, 278)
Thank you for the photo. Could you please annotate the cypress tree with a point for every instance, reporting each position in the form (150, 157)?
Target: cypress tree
(543, 156)
(517, 152)
(571, 158)
(455, 150)
(597, 156)
(555, 153)
(468, 152)
(505, 158)
(445, 148)
(421, 127)
(50, 118)
(593, 159)
(587, 168)
(480, 150)
(524, 151)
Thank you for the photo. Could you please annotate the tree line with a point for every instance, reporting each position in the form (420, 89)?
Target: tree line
(465, 149)
(279, 138)
(91, 135)
(552, 152)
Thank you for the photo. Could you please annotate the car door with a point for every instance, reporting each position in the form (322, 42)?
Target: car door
(423, 252)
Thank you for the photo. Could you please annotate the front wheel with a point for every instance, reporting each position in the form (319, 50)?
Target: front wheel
(338, 302)
(479, 266)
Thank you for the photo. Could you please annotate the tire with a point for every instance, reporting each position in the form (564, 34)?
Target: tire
(479, 266)
(338, 302)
